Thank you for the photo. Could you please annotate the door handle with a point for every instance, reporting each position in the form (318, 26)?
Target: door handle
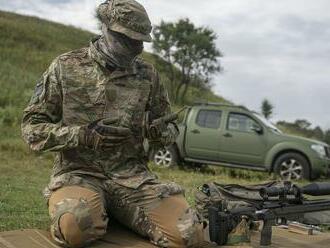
(228, 135)
(195, 131)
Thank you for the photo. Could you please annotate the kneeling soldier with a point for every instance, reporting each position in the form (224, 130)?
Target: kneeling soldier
(89, 109)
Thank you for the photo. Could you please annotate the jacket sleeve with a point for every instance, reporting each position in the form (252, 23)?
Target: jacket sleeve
(159, 107)
(41, 124)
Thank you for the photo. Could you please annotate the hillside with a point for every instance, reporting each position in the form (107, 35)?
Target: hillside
(28, 45)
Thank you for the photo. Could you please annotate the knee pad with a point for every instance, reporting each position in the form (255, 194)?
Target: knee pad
(174, 224)
(191, 228)
(73, 225)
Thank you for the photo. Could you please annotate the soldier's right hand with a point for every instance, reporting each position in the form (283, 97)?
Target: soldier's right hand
(103, 134)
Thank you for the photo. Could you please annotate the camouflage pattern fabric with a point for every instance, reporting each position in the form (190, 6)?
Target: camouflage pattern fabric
(127, 17)
(76, 90)
(227, 197)
(134, 208)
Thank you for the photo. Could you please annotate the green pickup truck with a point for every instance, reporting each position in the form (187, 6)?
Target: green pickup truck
(236, 137)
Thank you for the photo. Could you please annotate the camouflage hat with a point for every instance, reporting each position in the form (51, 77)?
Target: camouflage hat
(127, 17)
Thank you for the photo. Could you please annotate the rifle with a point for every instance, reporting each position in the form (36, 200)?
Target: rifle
(154, 128)
(279, 205)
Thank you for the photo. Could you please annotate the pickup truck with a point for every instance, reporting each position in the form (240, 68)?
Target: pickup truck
(234, 136)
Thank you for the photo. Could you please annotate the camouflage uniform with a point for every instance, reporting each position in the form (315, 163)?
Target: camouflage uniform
(87, 185)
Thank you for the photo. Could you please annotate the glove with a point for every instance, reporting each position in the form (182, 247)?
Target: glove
(166, 136)
(169, 136)
(103, 134)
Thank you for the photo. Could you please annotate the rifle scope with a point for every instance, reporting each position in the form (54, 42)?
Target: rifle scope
(313, 189)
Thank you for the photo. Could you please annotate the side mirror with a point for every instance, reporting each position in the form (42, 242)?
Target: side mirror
(257, 129)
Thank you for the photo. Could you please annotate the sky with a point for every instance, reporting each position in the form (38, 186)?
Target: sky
(278, 50)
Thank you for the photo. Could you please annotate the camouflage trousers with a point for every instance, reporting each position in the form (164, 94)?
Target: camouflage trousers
(81, 206)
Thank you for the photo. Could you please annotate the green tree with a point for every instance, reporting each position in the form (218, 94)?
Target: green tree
(327, 136)
(192, 50)
(267, 108)
(302, 124)
(318, 133)
(164, 45)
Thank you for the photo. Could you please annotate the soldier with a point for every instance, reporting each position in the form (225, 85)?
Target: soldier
(89, 108)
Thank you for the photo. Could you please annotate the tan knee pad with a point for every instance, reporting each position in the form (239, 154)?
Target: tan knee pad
(177, 225)
(69, 229)
(78, 216)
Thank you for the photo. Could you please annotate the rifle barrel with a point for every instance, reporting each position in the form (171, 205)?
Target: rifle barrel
(316, 189)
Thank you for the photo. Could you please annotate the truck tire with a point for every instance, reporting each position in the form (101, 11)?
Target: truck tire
(292, 166)
(166, 157)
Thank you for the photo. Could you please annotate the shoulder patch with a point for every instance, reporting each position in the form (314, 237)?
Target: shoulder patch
(38, 90)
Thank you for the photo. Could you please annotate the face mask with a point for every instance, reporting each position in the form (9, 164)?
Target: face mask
(119, 49)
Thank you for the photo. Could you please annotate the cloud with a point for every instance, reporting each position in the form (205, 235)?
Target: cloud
(77, 13)
(273, 49)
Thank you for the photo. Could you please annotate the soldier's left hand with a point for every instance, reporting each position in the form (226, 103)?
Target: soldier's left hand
(169, 135)
(104, 134)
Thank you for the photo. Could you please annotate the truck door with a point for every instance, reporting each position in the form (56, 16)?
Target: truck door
(240, 143)
(202, 134)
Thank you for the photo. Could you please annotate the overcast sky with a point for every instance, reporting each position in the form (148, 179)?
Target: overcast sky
(279, 50)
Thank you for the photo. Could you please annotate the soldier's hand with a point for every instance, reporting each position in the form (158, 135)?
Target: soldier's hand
(166, 136)
(169, 136)
(104, 134)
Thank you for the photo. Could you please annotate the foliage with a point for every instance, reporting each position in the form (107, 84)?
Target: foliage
(267, 109)
(28, 45)
(303, 128)
(189, 49)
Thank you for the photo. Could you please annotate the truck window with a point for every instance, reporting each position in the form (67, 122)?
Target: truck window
(240, 122)
(209, 118)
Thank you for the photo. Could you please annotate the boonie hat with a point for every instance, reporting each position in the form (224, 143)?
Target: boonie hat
(127, 17)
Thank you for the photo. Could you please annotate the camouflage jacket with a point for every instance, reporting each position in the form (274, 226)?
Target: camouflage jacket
(77, 89)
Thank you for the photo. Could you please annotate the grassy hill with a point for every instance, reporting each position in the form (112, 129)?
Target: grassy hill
(28, 45)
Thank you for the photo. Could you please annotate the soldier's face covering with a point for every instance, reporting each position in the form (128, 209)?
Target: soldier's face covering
(119, 49)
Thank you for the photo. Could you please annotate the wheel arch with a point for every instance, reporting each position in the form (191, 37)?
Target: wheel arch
(280, 153)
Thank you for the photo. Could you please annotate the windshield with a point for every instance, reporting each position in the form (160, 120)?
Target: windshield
(267, 122)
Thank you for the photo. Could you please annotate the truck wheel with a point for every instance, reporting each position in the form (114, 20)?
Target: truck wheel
(166, 157)
(292, 166)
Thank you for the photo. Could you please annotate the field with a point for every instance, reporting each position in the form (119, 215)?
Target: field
(27, 47)
(24, 175)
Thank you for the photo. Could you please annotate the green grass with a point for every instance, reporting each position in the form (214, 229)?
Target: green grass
(24, 174)
(28, 45)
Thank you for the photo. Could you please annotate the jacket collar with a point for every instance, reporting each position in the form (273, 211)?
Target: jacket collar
(100, 60)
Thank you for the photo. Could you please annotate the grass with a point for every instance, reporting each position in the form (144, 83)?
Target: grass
(24, 174)
(28, 45)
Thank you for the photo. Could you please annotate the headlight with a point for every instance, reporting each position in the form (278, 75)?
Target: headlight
(319, 149)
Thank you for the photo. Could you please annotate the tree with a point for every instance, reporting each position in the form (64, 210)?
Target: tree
(190, 49)
(318, 133)
(302, 124)
(327, 136)
(267, 109)
(163, 45)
